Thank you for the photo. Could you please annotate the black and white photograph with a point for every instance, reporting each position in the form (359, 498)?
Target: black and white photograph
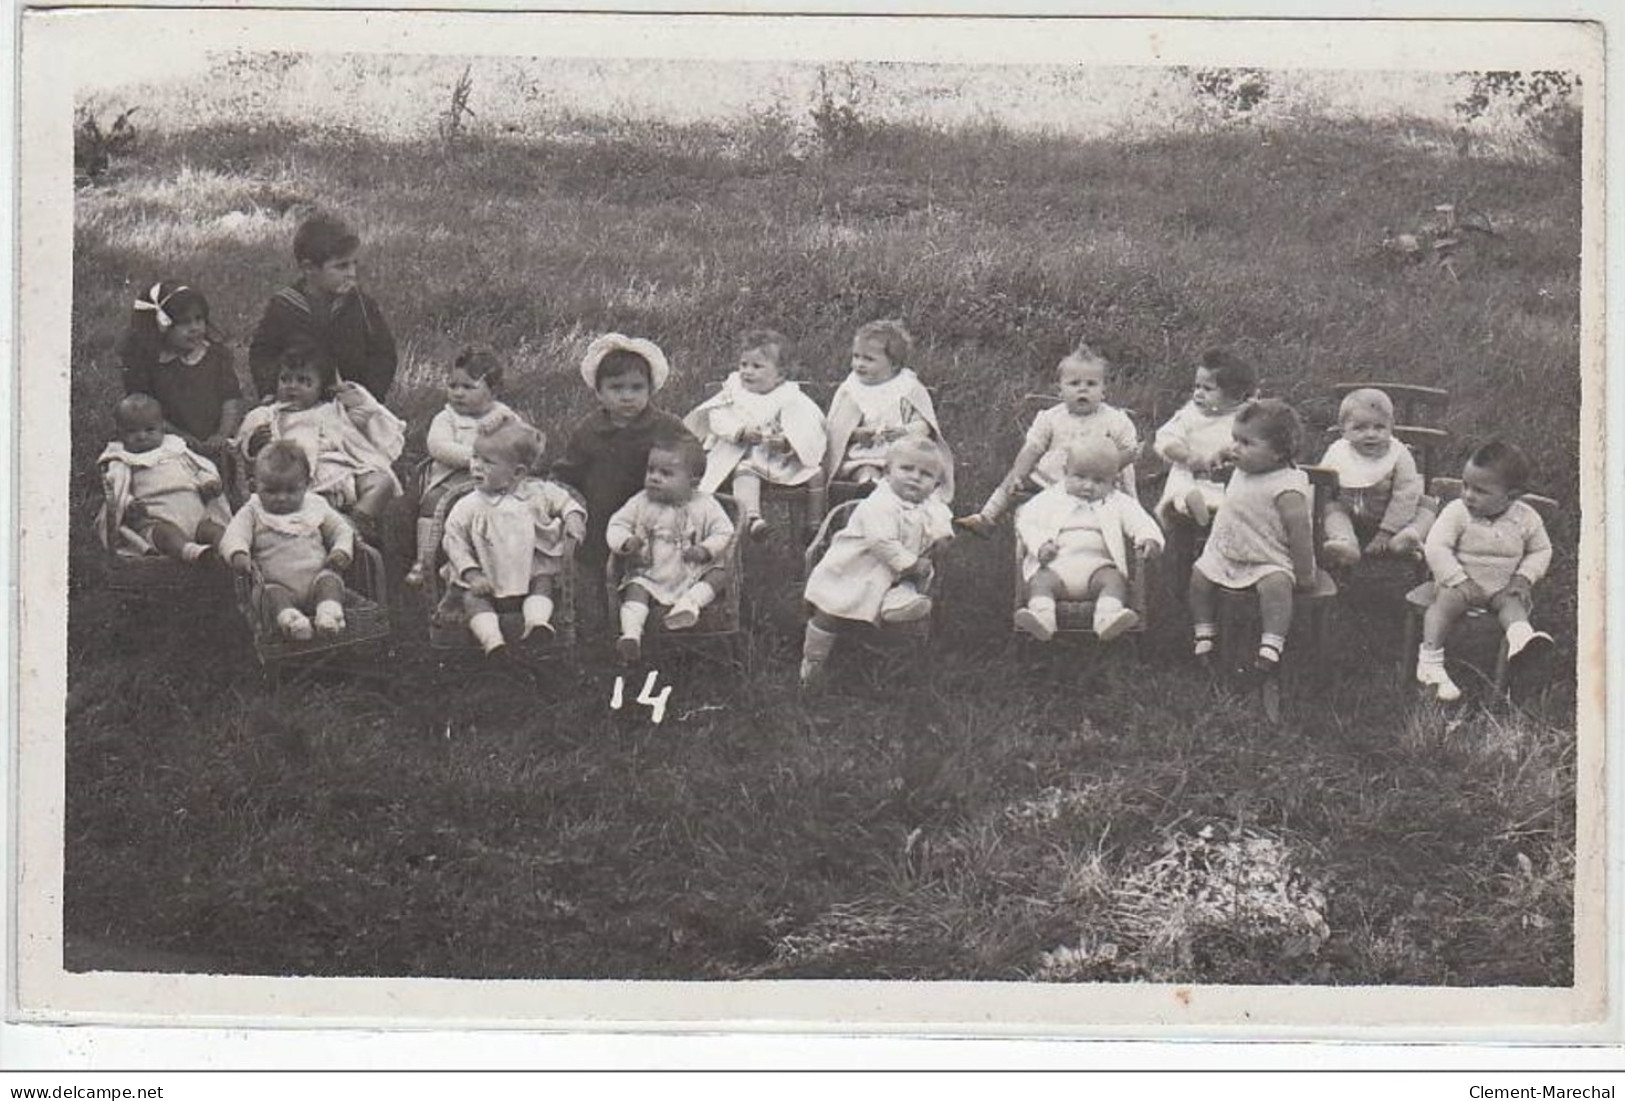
(1053, 521)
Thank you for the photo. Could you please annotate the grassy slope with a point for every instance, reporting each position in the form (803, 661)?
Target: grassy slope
(436, 822)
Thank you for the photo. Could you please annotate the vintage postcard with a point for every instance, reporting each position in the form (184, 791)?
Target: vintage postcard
(953, 524)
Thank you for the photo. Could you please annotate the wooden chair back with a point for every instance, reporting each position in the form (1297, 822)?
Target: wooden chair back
(1418, 418)
(1448, 489)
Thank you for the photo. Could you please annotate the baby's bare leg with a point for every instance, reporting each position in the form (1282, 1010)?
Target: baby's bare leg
(374, 490)
(168, 538)
(1448, 606)
(1109, 588)
(634, 614)
(748, 491)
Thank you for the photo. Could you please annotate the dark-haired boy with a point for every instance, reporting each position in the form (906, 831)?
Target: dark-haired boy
(325, 307)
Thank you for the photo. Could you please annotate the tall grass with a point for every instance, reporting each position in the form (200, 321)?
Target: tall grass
(996, 814)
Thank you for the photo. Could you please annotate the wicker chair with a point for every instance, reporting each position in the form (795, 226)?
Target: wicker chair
(366, 615)
(834, 521)
(719, 621)
(450, 631)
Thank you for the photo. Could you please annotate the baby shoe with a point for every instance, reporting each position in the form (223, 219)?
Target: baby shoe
(682, 616)
(1529, 643)
(329, 618)
(976, 524)
(812, 674)
(1113, 624)
(295, 625)
(1405, 545)
(547, 631)
(1033, 623)
(629, 648)
(903, 606)
(1340, 553)
(1435, 677)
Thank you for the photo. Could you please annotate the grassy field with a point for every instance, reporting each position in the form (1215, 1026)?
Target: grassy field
(999, 813)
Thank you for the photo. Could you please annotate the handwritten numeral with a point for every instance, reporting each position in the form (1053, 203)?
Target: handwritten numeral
(656, 703)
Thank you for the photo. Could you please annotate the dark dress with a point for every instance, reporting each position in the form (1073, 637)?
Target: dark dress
(191, 394)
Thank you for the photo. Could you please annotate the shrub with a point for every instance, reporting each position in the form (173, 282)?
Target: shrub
(1228, 93)
(1543, 99)
(94, 147)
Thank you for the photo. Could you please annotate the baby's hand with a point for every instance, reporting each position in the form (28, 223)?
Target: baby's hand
(339, 559)
(477, 583)
(1472, 592)
(778, 443)
(696, 555)
(1379, 544)
(863, 436)
(241, 563)
(750, 437)
(1047, 552)
(260, 437)
(575, 527)
(632, 547)
(1520, 587)
(1147, 548)
(209, 490)
(350, 394)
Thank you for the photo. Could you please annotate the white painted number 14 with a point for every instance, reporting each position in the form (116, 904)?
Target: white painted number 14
(655, 703)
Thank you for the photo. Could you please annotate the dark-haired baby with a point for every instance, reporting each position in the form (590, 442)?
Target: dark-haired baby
(1487, 550)
(673, 538)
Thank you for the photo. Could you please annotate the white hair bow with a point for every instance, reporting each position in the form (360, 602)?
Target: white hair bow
(156, 304)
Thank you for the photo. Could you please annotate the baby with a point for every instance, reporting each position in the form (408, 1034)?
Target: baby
(1076, 536)
(1379, 500)
(505, 541)
(293, 543)
(161, 497)
(350, 440)
(673, 539)
(1196, 439)
(1082, 416)
(1487, 550)
(878, 563)
(471, 407)
(760, 428)
(880, 402)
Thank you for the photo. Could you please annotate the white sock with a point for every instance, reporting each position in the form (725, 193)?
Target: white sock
(633, 617)
(538, 612)
(1044, 608)
(817, 644)
(699, 595)
(1518, 636)
(1106, 609)
(487, 628)
(193, 551)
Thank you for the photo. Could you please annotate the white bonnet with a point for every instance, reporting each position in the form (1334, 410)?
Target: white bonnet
(659, 369)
